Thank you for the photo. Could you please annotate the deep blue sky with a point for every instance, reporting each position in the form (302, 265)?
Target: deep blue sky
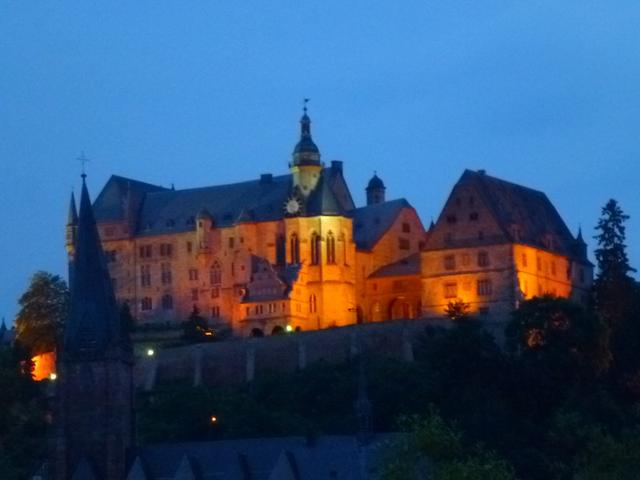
(544, 93)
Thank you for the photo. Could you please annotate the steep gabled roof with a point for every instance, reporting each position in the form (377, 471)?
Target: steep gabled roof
(371, 222)
(520, 209)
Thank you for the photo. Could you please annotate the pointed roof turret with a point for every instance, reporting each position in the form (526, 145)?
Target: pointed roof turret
(94, 325)
(72, 217)
(306, 152)
(579, 238)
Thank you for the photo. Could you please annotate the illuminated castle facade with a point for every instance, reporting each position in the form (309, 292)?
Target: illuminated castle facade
(293, 251)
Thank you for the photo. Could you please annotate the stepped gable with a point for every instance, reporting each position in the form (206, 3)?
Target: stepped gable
(370, 223)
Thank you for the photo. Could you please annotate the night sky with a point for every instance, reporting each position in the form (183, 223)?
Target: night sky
(546, 94)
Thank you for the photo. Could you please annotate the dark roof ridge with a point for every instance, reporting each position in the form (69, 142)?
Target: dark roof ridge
(478, 174)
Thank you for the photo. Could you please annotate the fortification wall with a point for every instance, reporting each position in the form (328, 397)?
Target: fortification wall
(241, 360)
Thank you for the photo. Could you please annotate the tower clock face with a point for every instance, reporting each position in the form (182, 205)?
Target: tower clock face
(292, 206)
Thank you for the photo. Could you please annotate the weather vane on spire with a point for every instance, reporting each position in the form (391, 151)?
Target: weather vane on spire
(305, 101)
(83, 161)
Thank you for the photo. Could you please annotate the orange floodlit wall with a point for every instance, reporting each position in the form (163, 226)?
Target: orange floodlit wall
(43, 366)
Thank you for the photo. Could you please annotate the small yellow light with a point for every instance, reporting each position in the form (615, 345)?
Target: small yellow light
(214, 419)
(289, 328)
(150, 352)
(53, 376)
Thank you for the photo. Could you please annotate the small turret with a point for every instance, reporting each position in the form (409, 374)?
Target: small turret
(204, 223)
(580, 245)
(71, 228)
(375, 190)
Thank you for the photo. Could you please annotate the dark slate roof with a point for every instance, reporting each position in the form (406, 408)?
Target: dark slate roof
(528, 209)
(163, 211)
(372, 221)
(267, 458)
(118, 194)
(409, 265)
(93, 325)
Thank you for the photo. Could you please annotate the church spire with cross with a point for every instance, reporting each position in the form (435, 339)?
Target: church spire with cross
(306, 152)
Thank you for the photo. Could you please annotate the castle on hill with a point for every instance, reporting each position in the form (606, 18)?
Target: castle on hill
(294, 251)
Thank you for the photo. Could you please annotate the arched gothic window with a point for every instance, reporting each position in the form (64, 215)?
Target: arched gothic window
(315, 249)
(295, 249)
(331, 248)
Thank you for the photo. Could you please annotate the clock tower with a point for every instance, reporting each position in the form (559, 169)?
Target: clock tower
(306, 166)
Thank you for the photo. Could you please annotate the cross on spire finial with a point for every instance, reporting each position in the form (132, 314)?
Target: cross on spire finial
(83, 161)
(304, 103)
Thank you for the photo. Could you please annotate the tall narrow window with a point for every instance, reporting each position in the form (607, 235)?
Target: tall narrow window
(295, 249)
(313, 304)
(146, 304)
(167, 302)
(315, 249)
(145, 275)
(280, 250)
(484, 287)
(331, 248)
(215, 274)
(165, 274)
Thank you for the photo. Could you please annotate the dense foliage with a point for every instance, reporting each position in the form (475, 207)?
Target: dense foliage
(22, 416)
(43, 309)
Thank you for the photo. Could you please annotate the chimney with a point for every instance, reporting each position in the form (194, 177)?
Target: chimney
(336, 165)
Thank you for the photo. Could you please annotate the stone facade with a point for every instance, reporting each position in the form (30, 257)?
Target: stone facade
(495, 244)
(293, 251)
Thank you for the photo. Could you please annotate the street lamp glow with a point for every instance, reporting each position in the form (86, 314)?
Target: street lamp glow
(289, 328)
(53, 376)
(150, 352)
(213, 419)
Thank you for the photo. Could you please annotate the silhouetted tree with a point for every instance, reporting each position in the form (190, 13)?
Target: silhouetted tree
(457, 310)
(44, 309)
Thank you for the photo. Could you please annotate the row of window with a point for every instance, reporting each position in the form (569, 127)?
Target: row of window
(166, 302)
(482, 260)
(316, 249)
(452, 219)
(166, 275)
(484, 287)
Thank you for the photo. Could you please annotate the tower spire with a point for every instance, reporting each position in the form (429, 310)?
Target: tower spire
(72, 217)
(94, 324)
(306, 151)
